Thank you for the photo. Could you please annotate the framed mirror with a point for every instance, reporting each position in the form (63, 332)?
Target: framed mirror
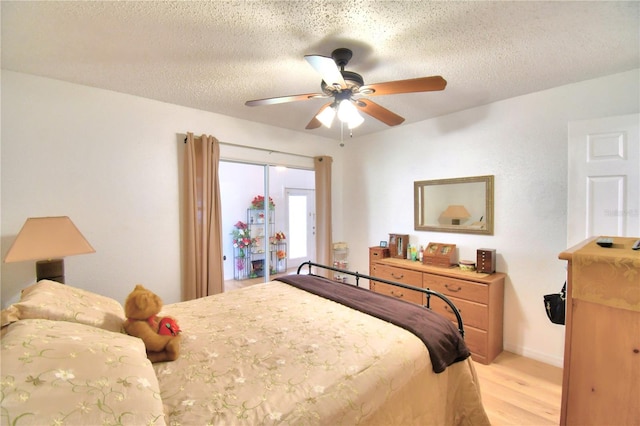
(463, 205)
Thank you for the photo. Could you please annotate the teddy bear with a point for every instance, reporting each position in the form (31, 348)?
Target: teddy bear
(159, 334)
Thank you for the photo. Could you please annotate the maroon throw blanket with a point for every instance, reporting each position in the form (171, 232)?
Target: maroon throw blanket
(441, 337)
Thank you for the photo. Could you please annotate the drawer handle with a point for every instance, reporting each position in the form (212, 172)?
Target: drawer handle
(448, 309)
(398, 295)
(451, 289)
(397, 277)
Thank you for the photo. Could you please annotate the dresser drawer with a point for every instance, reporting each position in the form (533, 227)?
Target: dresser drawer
(476, 341)
(478, 296)
(398, 292)
(460, 289)
(473, 314)
(404, 276)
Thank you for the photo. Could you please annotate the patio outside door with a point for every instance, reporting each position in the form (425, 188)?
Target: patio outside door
(301, 219)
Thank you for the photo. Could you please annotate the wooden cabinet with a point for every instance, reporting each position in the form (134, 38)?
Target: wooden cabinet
(478, 296)
(376, 253)
(486, 260)
(438, 254)
(601, 374)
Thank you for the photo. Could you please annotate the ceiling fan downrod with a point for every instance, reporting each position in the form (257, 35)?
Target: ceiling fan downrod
(342, 56)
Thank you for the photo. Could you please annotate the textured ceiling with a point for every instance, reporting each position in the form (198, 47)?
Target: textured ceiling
(216, 55)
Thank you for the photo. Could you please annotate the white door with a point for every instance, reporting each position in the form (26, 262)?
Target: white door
(301, 220)
(604, 178)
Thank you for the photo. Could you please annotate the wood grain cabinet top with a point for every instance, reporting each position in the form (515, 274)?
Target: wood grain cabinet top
(601, 374)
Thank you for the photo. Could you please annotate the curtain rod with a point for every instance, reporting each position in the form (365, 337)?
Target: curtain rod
(270, 151)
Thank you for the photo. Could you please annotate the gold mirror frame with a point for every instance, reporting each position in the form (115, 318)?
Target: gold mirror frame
(437, 202)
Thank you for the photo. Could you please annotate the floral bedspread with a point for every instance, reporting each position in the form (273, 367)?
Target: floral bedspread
(65, 373)
(274, 354)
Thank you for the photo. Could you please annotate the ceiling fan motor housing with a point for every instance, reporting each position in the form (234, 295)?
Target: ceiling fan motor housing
(354, 82)
(342, 56)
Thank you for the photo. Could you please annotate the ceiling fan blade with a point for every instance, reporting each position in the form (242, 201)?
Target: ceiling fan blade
(379, 112)
(283, 99)
(315, 123)
(423, 84)
(328, 69)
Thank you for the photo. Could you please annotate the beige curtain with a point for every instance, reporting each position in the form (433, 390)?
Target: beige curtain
(322, 166)
(204, 274)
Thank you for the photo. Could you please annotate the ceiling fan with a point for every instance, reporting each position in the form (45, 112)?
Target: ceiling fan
(348, 92)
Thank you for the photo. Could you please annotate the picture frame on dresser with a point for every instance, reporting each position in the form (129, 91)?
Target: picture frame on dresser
(398, 244)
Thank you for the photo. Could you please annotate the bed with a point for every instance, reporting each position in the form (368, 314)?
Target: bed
(272, 353)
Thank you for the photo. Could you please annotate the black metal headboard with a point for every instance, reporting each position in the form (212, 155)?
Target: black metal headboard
(428, 293)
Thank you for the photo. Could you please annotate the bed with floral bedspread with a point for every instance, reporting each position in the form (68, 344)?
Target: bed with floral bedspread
(269, 354)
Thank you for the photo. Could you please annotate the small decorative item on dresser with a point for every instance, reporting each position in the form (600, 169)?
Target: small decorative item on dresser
(486, 261)
(398, 244)
(439, 254)
(379, 252)
(467, 265)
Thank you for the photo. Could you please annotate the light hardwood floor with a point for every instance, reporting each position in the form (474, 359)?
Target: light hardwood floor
(515, 390)
(234, 285)
(520, 391)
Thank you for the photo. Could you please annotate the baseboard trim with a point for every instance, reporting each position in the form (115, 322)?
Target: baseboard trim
(538, 356)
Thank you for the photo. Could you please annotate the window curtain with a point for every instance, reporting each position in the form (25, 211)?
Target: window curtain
(204, 274)
(322, 166)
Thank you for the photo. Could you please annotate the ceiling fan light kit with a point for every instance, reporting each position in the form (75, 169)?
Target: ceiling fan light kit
(348, 113)
(348, 90)
(326, 116)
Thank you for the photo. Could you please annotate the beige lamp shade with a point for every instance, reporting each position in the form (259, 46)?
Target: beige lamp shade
(455, 213)
(43, 238)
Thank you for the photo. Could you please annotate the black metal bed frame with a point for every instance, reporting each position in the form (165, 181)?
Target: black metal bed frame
(428, 292)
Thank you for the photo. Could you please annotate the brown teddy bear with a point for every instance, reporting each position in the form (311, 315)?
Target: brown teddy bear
(141, 308)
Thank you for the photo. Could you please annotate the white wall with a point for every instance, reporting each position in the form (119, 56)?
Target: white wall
(112, 163)
(523, 142)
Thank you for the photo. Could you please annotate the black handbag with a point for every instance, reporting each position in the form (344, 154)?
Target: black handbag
(554, 304)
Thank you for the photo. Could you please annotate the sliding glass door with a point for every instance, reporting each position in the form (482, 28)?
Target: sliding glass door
(259, 218)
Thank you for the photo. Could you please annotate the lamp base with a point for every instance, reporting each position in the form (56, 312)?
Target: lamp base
(455, 221)
(50, 270)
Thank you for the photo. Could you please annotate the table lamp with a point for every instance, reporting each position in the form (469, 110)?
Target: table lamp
(48, 240)
(455, 213)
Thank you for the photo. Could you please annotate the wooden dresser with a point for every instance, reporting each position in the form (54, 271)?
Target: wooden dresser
(478, 296)
(601, 374)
